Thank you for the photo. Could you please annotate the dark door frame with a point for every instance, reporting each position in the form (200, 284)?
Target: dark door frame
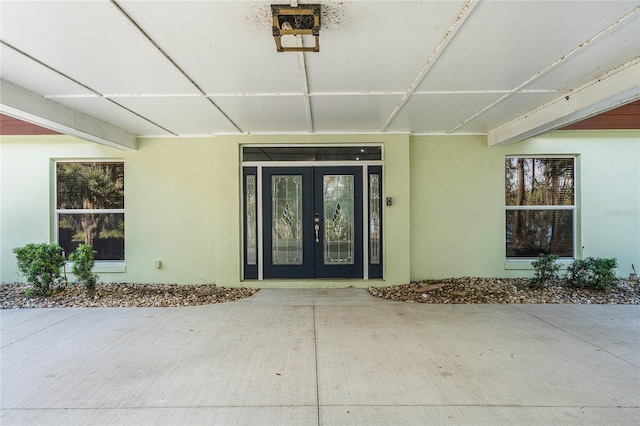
(368, 232)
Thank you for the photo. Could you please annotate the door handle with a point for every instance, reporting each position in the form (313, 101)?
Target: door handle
(317, 228)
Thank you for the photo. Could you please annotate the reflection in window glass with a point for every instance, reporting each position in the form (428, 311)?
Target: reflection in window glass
(315, 153)
(532, 232)
(539, 182)
(374, 218)
(89, 185)
(250, 226)
(338, 202)
(540, 206)
(90, 207)
(104, 232)
(286, 242)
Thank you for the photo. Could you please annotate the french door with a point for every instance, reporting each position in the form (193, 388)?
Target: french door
(312, 222)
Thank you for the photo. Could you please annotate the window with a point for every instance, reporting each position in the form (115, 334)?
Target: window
(90, 207)
(313, 153)
(540, 206)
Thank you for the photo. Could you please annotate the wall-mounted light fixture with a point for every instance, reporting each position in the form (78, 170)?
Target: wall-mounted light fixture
(300, 20)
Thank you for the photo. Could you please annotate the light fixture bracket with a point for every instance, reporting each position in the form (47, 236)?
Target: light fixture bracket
(300, 20)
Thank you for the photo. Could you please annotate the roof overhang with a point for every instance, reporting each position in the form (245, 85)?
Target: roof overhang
(28, 106)
(612, 90)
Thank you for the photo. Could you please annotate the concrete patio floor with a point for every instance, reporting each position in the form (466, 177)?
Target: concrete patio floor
(322, 357)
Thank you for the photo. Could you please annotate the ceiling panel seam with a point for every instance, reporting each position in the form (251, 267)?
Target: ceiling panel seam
(483, 92)
(49, 67)
(581, 47)
(172, 62)
(465, 12)
(79, 83)
(304, 81)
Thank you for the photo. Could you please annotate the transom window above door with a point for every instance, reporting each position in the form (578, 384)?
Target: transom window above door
(312, 153)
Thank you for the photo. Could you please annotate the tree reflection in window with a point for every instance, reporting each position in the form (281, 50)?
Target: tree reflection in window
(540, 206)
(90, 207)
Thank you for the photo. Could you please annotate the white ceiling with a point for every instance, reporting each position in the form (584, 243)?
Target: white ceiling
(187, 68)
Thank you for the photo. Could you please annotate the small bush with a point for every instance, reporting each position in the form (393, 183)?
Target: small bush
(83, 261)
(546, 270)
(40, 264)
(592, 272)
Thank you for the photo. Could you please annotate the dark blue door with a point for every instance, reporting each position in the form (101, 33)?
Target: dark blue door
(312, 222)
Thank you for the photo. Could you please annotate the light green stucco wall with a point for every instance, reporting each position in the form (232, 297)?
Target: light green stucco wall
(227, 217)
(26, 190)
(447, 219)
(457, 200)
(182, 201)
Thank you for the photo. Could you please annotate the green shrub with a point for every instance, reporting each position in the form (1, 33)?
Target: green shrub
(546, 270)
(83, 262)
(592, 272)
(40, 264)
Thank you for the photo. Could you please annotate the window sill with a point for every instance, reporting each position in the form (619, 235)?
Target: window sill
(109, 267)
(104, 267)
(525, 264)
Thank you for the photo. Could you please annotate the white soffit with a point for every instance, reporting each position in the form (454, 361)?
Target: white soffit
(512, 107)
(606, 53)
(283, 113)
(157, 68)
(374, 47)
(438, 112)
(90, 42)
(226, 47)
(618, 87)
(182, 115)
(351, 113)
(20, 103)
(28, 74)
(112, 112)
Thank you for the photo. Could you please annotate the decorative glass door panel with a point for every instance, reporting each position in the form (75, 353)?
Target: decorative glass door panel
(312, 222)
(286, 226)
(287, 222)
(337, 198)
(337, 203)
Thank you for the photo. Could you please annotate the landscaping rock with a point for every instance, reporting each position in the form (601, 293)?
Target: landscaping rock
(123, 295)
(504, 290)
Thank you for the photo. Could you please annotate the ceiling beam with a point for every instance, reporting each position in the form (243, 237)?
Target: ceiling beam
(28, 106)
(613, 89)
(580, 48)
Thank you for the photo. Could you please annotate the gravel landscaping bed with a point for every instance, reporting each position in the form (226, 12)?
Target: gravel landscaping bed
(445, 291)
(123, 295)
(494, 290)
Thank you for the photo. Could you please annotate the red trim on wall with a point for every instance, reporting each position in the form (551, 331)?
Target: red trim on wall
(624, 117)
(13, 126)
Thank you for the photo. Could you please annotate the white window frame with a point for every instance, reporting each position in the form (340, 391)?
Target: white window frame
(101, 266)
(525, 262)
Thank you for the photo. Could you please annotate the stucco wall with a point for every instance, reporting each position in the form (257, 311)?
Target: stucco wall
(447, 220)
(182, 203)
(396, 184)
(26, 190)
(457, 200)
